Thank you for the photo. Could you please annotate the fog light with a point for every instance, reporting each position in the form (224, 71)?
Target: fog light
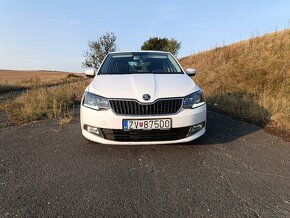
(195, 128)
(198, 126)
(92, 129)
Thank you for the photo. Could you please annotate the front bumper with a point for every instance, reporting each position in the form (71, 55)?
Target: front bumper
(109, 120)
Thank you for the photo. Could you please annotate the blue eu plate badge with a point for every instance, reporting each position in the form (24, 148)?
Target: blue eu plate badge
(125, 125)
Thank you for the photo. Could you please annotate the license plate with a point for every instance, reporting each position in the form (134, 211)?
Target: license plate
(146, 124)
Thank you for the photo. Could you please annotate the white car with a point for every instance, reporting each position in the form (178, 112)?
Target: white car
(142, 97)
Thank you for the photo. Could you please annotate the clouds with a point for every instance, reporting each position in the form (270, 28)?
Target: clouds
(159, 19)
(52, 21)
(73, 22)
(166, 12)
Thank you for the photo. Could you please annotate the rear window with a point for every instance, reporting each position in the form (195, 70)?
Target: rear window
(142, 62)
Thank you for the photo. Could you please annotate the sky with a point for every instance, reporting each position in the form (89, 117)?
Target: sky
(53, 35)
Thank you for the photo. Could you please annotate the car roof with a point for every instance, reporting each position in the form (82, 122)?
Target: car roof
(143, 51)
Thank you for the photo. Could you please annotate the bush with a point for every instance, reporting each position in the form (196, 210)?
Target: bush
(162, 44)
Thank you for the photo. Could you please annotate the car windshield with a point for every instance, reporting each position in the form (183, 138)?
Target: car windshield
(140, 62)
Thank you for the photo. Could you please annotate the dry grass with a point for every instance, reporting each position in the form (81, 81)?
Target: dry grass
(16, 76)
(40, 94)
(249, 79)
(66, 118)
(11, 80)
(45, 102)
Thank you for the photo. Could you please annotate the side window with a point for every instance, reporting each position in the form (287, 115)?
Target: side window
(167, 66)
(174, 64)
(106, 67)
(171, 66)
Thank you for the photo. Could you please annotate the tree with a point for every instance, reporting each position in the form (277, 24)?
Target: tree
(162, 44)
(99, 49)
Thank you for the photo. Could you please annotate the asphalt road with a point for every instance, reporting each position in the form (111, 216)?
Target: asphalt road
(236, 170)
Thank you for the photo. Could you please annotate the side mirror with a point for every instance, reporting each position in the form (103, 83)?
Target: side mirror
(190, 72)
(90, 73)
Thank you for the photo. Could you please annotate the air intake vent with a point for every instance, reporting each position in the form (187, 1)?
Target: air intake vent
(145, 136)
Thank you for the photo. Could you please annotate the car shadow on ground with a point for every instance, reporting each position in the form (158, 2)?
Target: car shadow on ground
(221, 129)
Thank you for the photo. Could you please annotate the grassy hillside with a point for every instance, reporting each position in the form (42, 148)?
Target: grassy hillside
(249, 79)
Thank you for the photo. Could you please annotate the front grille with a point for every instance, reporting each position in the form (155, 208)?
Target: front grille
(145, 135)
(131, 107)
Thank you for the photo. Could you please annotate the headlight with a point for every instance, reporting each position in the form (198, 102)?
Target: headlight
(95, 102)
(192, 99)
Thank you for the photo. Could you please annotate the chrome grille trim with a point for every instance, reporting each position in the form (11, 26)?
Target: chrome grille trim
(158, 107)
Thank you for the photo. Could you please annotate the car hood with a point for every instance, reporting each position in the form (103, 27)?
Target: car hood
(134, 86)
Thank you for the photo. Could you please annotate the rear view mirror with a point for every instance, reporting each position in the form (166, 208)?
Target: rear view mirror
(190, 72)
(90, 72)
